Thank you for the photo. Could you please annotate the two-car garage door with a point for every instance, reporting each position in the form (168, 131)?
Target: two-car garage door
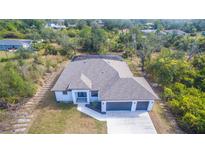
(113, 106)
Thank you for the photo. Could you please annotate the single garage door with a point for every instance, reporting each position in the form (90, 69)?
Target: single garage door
(142, 105)
(113, 106)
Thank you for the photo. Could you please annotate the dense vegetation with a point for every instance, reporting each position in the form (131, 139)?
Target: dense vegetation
(19, 78)
(183, 83)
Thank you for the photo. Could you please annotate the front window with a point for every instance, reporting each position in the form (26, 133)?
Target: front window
(82, 94)
(65, 92)
(94, 93)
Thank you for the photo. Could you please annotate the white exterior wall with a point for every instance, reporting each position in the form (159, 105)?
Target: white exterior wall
(72, 95)
(134, 105)
(151, 104)
(61, 97)
(103, 106)
(94, 99)
(25, 45)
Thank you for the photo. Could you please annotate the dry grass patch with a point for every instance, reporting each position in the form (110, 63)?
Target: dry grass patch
(53, 118)
(6, 54)
(160, 121)
(133, 64)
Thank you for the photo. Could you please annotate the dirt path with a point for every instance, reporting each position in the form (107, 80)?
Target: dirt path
(22, 117)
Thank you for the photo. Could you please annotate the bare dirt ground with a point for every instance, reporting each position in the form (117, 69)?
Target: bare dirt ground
(163, 120)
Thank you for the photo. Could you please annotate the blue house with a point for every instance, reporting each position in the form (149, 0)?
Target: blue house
(13, 44)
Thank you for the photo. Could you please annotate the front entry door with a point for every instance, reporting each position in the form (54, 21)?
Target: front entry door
(81, 97)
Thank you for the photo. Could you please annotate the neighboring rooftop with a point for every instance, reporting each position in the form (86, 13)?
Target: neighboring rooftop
(112, 78)
(14, 42)
(146, 31)
(175, 31)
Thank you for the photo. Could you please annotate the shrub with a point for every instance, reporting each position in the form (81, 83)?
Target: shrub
(188, 104)
(94, 104)
(50, 50)
(128, 53)
(13, 86)
(168, 94)
(189, 122)
(23, 53)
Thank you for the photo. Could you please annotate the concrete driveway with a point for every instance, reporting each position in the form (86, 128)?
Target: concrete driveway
(123, 122)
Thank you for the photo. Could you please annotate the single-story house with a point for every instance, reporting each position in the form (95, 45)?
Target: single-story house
(13, 44)
(147, 31)
(175, 31)
(106, 80)
(56, 26)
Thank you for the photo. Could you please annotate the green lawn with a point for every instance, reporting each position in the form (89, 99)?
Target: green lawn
(52, 118)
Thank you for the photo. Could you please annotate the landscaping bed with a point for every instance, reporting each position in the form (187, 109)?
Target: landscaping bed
(96, 106)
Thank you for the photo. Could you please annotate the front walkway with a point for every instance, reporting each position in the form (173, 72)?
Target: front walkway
(123, 122)
(92, 113)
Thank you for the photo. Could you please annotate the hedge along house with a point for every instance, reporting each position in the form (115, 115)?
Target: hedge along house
(104, 80)
(13, 44)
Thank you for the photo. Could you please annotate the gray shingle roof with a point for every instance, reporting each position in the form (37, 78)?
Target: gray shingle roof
(113, 79)
(96, 70)
(127, 89)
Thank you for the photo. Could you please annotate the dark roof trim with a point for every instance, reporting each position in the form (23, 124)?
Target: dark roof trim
(95, 56)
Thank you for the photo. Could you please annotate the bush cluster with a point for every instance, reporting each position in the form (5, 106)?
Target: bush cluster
(184, 88)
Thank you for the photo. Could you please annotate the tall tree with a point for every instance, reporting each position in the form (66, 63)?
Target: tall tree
(193, 49)
(99, 39)
(144, 45)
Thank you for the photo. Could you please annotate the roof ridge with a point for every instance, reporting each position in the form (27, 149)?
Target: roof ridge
(86, 80)
(151, 92)
(106, 88)
(116, 66)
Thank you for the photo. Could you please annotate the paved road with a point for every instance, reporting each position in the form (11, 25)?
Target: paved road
(122, 122)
